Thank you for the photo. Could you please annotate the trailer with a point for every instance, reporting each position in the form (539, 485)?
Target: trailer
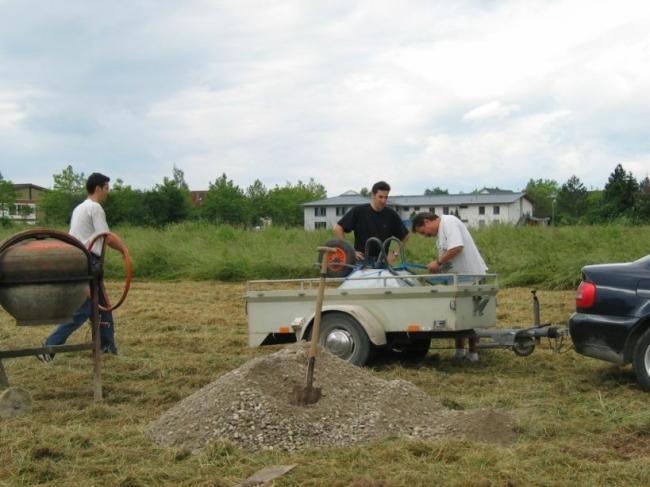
(372, 308)
(378, 311)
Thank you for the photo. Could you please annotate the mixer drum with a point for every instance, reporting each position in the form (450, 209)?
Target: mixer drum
(43, 281)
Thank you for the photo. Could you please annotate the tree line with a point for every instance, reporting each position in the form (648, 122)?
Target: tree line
(170, 202)
(623, 199)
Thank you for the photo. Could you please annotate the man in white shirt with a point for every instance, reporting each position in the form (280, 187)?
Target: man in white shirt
(457, 254)
(88, 220)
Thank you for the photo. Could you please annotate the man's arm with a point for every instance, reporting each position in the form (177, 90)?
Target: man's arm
(115, 244)
(435, 266)
(395, 253)
(338, 231)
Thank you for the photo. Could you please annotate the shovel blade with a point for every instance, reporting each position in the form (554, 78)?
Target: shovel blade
(301, 396)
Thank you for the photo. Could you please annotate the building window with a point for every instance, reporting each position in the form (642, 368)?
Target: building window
(406, 208)
(481, 210)
(463, 207)
(445, 210)
(320, 225)
(24, 209)
(341, 210)
(432, 209)
(320, 211)
(416, 208)
(495, 210)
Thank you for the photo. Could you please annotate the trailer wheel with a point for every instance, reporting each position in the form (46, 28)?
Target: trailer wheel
(343, 336)
(523, 346)
(341, 262)
(641, 361)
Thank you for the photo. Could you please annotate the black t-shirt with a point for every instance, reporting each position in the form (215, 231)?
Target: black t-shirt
(366, 223)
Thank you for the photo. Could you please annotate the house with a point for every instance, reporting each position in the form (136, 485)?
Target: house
(198, 197)
(26, 205)
(476, 210)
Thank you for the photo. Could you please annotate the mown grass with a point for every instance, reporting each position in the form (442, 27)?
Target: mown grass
(548, 258)
(579, 421)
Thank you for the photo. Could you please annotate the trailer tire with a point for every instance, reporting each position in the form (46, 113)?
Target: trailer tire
(343, 336)
(641, 361)
(341, 262)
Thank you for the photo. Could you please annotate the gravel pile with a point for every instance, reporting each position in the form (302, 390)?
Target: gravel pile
(250, 407)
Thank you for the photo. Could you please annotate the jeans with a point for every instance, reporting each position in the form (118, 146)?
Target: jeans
(106, 326)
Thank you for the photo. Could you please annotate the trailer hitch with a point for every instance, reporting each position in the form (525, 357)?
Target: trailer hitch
(522, 341)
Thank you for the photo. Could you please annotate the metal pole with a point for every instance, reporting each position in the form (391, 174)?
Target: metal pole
(97, 358)
(4, 381)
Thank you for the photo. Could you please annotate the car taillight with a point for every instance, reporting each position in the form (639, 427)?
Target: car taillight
(585, 295)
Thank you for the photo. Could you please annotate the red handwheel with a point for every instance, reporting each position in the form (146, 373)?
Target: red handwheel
(128, 270)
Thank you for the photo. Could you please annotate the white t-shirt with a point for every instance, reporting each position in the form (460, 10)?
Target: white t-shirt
(453, 233)
(88, 219)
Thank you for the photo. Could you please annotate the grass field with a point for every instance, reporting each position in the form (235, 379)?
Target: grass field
(580, 421)
(548, 258)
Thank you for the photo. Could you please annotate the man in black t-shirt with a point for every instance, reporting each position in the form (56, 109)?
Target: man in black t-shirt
(373, 219)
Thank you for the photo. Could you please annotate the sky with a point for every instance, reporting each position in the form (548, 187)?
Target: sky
(455, 94)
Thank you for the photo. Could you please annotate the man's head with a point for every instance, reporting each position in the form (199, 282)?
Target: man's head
(380, 192)
(97, 186)
(426, 224)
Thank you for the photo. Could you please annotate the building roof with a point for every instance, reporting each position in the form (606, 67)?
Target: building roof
(29, 185)
(423, 200)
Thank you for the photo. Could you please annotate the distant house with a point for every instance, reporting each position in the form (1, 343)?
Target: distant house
(198, 197)
(487, 206)
(26, 208)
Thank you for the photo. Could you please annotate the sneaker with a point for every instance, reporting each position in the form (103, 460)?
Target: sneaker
(473, 357)
(459, 354)
(45, 357)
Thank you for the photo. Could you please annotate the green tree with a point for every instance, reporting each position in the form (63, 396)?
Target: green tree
(286, 202)
(364, 191)
(571, 201)
(542, 192)
(642, 201)
(125, 205)
(7, 200)
(435, 191)
(69, 182)
(168, 202)
(593, 205)
(225, 202)
(258, 202)
(68, 191)
(619, 194)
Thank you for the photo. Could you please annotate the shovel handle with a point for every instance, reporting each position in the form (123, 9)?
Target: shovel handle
(319, 300)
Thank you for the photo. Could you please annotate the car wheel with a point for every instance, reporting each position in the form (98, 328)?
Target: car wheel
(343, 336)
(641, 361)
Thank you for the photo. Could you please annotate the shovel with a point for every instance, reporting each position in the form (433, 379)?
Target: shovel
(309, 394)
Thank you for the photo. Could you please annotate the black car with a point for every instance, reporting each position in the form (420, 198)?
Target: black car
(612, 318)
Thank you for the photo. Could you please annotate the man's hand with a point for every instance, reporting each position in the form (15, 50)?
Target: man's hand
(433, 267)
(359, 255)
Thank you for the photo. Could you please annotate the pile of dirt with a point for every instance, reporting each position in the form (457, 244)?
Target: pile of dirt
(250, 407)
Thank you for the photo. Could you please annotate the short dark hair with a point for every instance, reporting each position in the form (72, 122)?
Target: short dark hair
(94, 180)
(380, 186)
(420, 218)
